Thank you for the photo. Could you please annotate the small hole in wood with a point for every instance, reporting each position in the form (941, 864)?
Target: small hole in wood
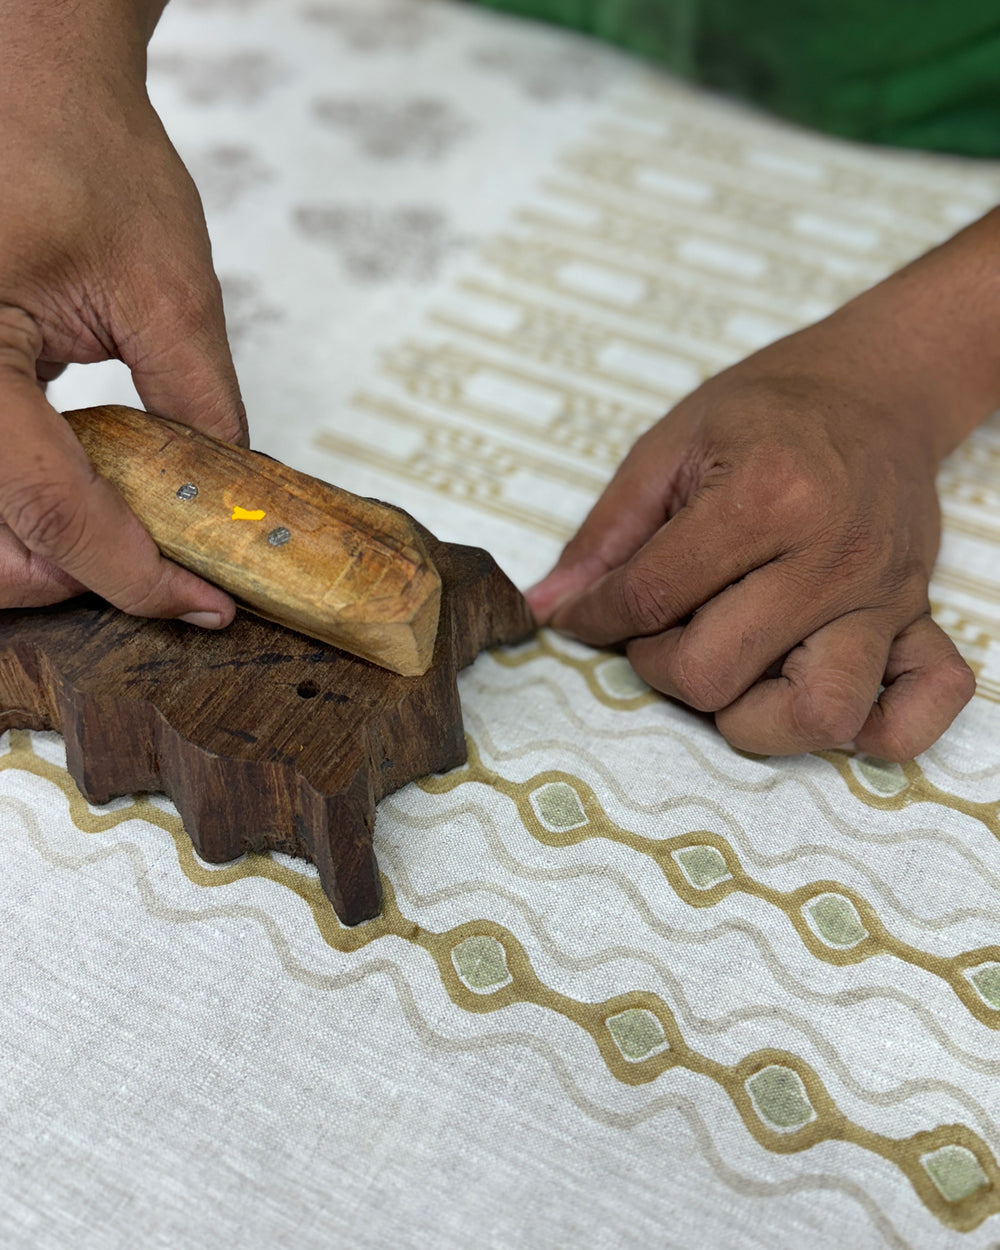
(307, 690)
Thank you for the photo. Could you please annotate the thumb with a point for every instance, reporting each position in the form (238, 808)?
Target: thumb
(56, 513)
(635, 503)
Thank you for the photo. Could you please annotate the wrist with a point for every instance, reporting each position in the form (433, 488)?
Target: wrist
(51, 47)
(923, 346)
(929, 336)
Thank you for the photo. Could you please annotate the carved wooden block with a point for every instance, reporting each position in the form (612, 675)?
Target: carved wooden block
(263, 738)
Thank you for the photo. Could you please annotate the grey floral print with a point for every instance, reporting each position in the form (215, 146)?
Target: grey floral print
(372, 27)
(379, 244)
(392, 129)
(237, 77)
(225, 172)
(236, 5)
(246, 308)
(549, 73)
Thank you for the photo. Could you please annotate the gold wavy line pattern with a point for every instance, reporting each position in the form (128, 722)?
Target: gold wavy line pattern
(764, 952)
(690, 1019)
(776, 781)
(902, 785)
(947, 766)
(834, 922)
(433, 1040)
(609, 677)
(884, 787)
(483, 967)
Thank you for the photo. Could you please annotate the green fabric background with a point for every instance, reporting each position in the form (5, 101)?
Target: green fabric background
(917, 73)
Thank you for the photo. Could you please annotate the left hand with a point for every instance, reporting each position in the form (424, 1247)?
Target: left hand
(764, 553)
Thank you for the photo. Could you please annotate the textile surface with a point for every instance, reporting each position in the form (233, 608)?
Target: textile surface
(630, 987)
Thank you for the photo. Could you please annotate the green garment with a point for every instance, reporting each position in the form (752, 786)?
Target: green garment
(917, 73)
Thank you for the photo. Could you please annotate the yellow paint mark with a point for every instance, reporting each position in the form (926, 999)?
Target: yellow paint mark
(243, 514)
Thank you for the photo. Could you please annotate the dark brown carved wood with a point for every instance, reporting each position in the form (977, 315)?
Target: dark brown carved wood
(263, 738)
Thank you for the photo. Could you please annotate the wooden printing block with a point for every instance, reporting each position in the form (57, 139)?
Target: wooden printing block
(263, 738)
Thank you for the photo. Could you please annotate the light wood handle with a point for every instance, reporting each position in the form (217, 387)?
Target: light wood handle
(346, 570)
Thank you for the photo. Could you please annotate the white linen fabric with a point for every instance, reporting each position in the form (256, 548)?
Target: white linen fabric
(630, 986)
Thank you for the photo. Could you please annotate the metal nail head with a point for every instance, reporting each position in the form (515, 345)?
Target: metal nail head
(187, 491)
(278, 537)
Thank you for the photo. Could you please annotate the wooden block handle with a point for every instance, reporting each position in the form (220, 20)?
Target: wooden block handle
(346, 570)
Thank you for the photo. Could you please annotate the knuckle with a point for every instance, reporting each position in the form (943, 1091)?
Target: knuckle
(194, 293)
(794, 499)
(233, 428)
(48, 518)
(895, 744)
(201, 305)
(900, 738)
(645, 600)
(828, 715)
(188, 303)
(140, 597)
(20, 340)
(958, 679)
(26, 581)
(790, 490)
(16, 323)
(699, 681)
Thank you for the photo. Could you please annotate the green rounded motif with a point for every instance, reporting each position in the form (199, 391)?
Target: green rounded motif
(986, 979)
(703, 866)
(481, 964)
(557, 805)
(882, 776)
(836, 920)
(637, 1033)
(955, 1171)
(619, 679)
(780, 1098)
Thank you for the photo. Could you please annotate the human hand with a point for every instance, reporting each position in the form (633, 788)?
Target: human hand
(764, 553)
(103, 254)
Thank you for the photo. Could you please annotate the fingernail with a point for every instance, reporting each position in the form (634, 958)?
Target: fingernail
(545, 596)
(204, 620)
(536, 593)
(846, 746)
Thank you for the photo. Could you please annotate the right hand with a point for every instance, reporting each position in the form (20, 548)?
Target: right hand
(104, 254)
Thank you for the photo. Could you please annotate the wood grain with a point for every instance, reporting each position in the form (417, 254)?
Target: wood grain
(346, 570)
(263, 738)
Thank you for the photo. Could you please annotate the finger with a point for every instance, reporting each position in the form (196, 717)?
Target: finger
(28, 581)
(61, 511)
(706, 547)
(181, 363)
(177, 347)
(927, 683)
(729, 644)
(824, 694)
(633, 506)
